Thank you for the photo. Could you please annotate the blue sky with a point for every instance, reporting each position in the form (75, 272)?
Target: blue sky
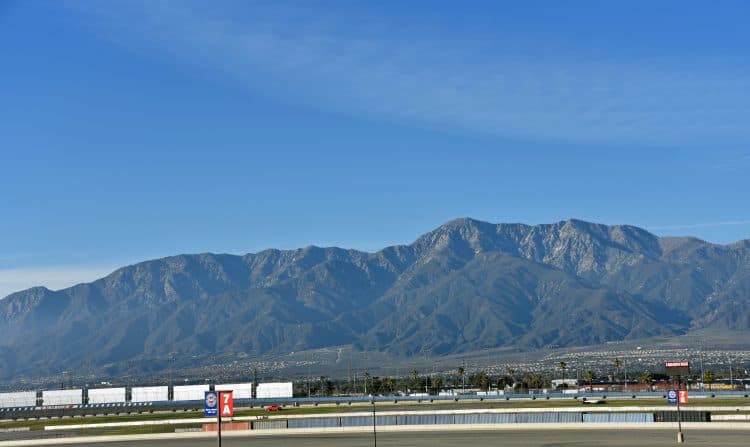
(139, 129)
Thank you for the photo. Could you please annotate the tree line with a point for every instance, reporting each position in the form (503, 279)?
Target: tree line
(431, 384)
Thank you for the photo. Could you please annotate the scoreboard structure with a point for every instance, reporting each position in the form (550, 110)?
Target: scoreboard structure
(677, 368)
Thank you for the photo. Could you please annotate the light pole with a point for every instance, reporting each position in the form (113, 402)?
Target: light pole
(680, 436)
(563, 367)
(171, 360)
(374, 431)
(701, 356)
(463, 378)
(308, 378)
(618, 364)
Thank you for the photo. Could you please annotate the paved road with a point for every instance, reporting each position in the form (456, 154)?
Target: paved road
(542, 438)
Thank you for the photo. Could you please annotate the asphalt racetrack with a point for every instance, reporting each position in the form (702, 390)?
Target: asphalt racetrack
(524, 438)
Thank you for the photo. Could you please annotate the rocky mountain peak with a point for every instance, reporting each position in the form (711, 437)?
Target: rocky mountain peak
(465, 285)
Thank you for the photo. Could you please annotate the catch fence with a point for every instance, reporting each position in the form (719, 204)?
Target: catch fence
(470, 419)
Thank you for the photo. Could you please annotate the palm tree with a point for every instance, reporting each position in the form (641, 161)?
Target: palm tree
(646, 378)
(388, 383)
(481, 380)
(322, 387)
(618, 364)
(563, 367)
(511, 378)
(589, 376)
(708, 377)
(414, 374)
(535, 381)
(437, 385)
(462, 375)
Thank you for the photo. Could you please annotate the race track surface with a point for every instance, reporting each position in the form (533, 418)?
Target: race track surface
(525, 438)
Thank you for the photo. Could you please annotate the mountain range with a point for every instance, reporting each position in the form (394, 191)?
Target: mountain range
(466, 286)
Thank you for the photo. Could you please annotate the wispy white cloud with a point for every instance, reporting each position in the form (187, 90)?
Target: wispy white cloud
(469, 83)
(54, 278)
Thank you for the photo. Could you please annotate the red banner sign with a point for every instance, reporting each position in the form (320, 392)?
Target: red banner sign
(682, 396)
(226, 403)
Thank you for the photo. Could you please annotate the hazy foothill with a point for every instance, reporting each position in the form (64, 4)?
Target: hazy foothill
(467, 286)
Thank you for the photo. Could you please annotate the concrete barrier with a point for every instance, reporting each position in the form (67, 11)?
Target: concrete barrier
(128, 424)
(730, 417)
(229, 426)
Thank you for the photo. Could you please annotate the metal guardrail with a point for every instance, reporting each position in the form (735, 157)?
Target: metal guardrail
(140, 407)
(73, 410)
(469, 398)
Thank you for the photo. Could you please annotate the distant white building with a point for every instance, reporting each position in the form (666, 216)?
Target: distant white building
(491, 393)
(571, 383)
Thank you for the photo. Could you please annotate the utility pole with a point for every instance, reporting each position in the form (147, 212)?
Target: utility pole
(677, 370)
(374, 431)
(463, 379)
(218, 425)
(680, 436)
(702, 377)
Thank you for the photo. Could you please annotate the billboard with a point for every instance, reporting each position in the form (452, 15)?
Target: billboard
(150, 393)
(189, 392)
(268, 390)
(106, 395)
(241, 390)
(62, 397)
(677, 368)
(18, 399)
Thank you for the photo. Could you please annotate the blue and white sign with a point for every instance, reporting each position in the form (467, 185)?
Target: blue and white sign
(672, 396)
(211, 404)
